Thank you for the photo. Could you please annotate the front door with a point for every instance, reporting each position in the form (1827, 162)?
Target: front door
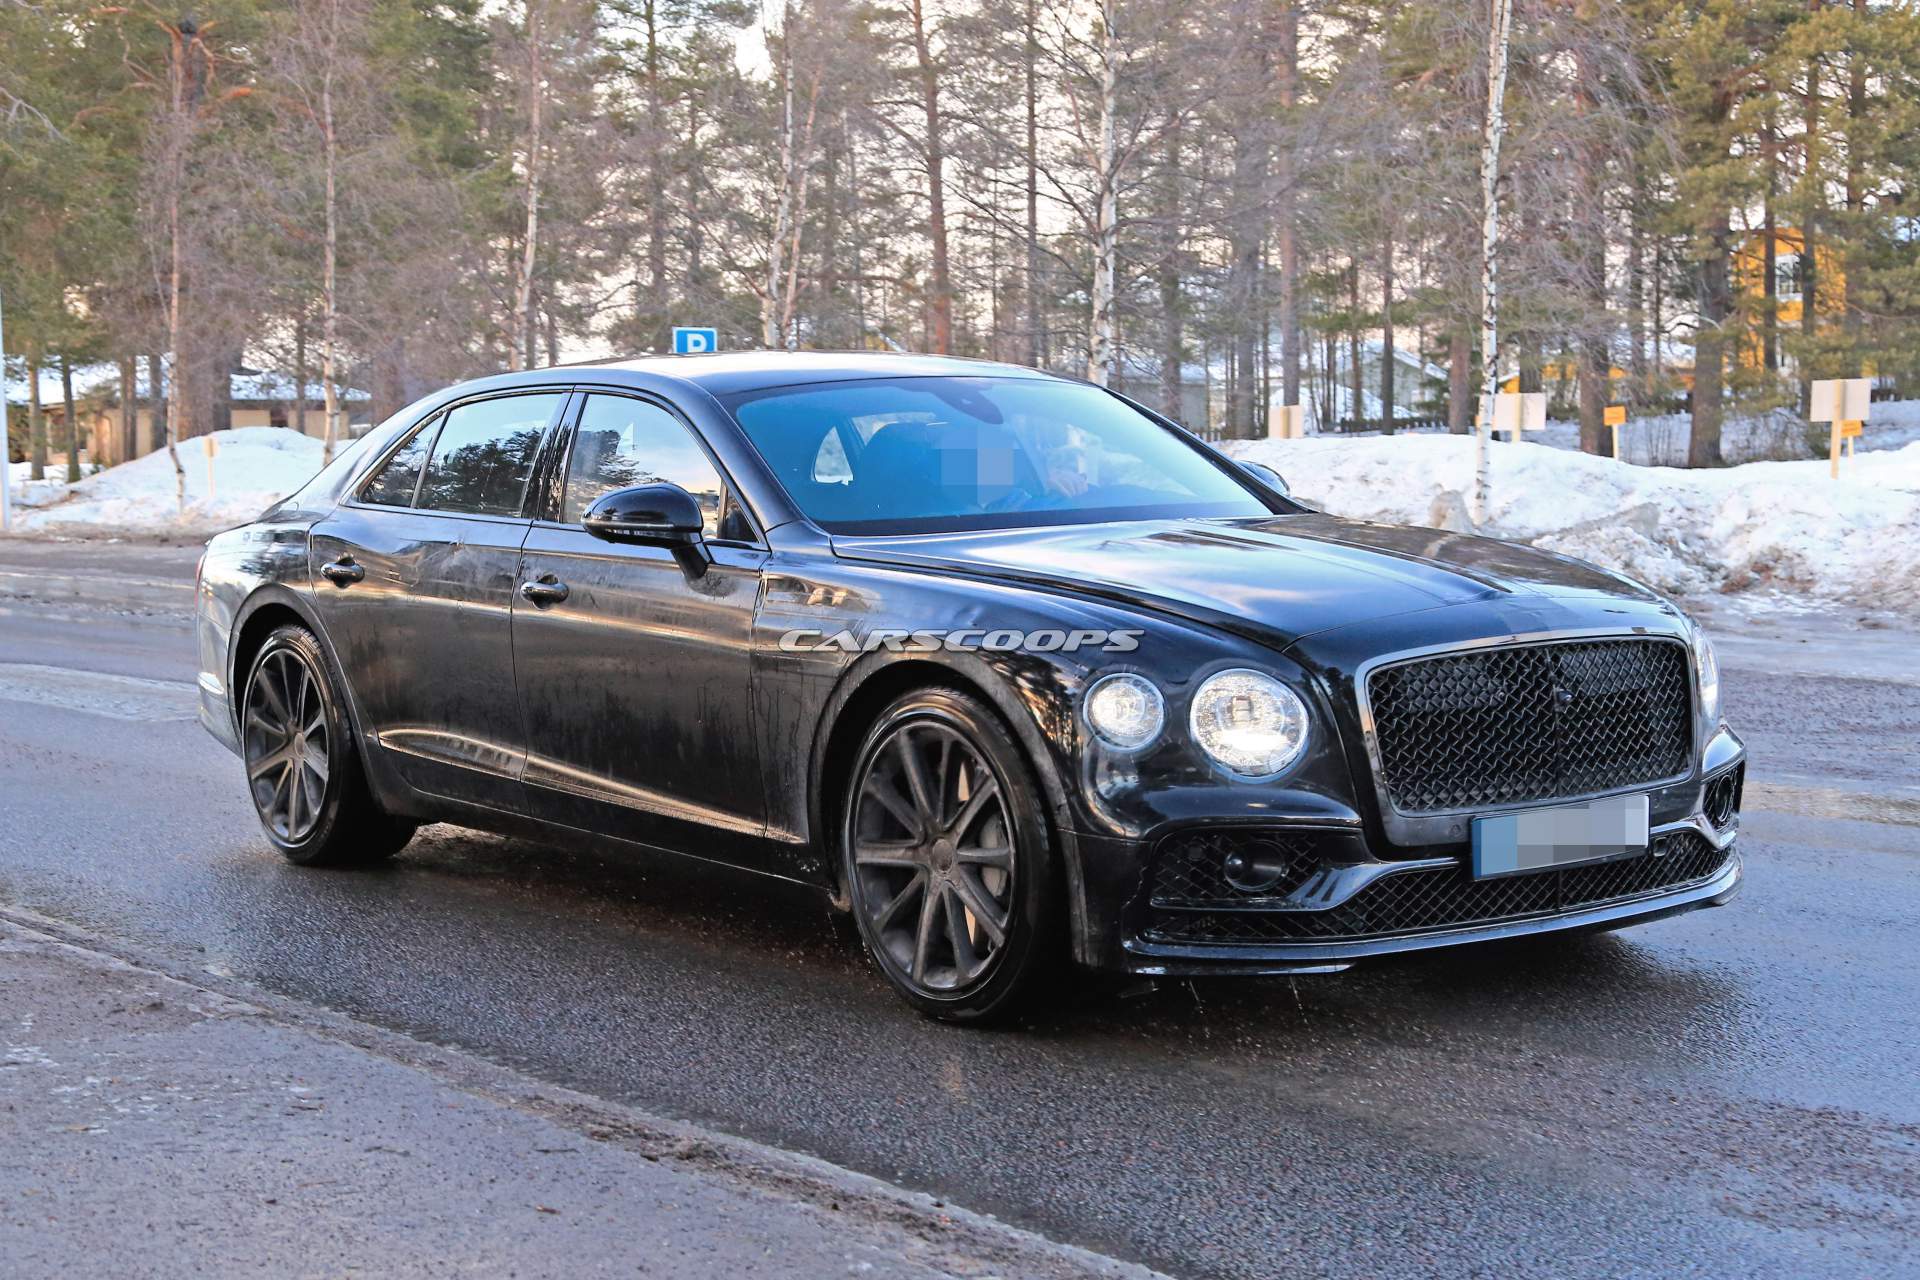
(636, 686)
(415, 577)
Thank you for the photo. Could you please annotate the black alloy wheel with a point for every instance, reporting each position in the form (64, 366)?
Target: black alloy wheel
(287, 744)
(948, 863)
(303, 771)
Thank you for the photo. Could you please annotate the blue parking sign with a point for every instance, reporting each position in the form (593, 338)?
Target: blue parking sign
(693, 342)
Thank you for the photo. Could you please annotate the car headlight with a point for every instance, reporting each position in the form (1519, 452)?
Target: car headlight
(1706, 669)
(1126, 710)
(1249, 723)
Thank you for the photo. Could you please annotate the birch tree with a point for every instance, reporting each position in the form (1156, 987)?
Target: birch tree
(1499, 33)
(322, 82)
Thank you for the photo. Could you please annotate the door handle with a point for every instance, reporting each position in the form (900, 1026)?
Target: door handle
(342, 572)
(544, 590)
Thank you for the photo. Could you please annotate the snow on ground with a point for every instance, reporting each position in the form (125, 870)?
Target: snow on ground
(1773, 527)
(253, 468)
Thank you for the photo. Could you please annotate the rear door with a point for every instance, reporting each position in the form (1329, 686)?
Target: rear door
(636, 687)
(415, 578)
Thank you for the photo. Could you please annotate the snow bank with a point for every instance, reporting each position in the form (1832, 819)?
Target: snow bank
(253, 468)
(1765, 526)
(1661, 439)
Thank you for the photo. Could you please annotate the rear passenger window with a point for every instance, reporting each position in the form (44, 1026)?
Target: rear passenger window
(621, 443)
(393, 484)
(484, 455)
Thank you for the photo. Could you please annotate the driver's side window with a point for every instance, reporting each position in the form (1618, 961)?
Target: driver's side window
(622, 442)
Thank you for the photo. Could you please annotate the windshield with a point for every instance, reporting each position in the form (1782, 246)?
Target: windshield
(913, 455)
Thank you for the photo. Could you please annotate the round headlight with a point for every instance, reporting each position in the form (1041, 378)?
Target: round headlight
(1249, 723)
(1125, 710)
(1706, 669)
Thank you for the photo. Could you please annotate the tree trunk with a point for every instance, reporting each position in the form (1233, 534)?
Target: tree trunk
(1241, 349)
(796, 155)
(520, 339)
(1356, 382)
(36, 421)
(1286, 208)
(1102, 349)
(1036, 344)
(1810, 228)
(1386, 337)
(1595, 343)
(157, 394)
(73, 419)
(1769, 251)
(1459, 381)
(1593, 384)
(770, 336)
(1709, 347)
(940, 292)
(859, 342)
(1173, 309)
(658, 336)
(329, 300)
(1637, 281)
(175, 283)
(299, 416)
(1656, 353)
(1856, 188)
(1498, 33)
(129, 411)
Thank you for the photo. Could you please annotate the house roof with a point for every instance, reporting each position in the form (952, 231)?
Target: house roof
(103, 380)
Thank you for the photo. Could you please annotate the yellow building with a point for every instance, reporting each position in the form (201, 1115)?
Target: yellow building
(1789, 285)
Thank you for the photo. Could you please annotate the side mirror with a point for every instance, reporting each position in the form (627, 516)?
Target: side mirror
(651, 514)
(658, 515)
(1267, 476)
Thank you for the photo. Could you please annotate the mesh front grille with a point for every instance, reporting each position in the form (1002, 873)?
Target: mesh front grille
(1535, 722)
(1418, 901)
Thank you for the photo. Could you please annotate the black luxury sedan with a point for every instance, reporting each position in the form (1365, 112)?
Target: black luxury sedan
(1014, 669)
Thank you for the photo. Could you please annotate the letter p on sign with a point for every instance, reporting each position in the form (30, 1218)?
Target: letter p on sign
(693, 342)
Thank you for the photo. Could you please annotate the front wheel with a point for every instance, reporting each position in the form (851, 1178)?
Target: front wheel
(302, 769)
(947, 857)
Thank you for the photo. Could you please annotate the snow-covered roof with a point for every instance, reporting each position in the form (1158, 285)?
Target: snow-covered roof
(252, 385)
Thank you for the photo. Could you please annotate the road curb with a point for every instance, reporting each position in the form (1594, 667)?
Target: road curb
(962, 1240)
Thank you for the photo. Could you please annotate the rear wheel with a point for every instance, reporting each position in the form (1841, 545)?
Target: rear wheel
(303, 771)
(948, 862)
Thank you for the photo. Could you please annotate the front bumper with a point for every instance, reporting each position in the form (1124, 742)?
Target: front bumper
(1333, 901)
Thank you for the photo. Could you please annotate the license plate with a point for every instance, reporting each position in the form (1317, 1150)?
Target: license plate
(1564, 836)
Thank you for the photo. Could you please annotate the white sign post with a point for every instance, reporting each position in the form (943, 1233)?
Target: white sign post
(1843, 403)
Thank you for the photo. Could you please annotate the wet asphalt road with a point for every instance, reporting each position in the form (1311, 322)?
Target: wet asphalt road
(1733, 1092)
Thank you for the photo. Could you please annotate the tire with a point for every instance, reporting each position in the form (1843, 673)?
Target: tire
(952, 881)
(303, 770)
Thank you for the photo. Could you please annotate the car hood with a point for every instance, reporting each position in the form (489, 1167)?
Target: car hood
(1278, 578)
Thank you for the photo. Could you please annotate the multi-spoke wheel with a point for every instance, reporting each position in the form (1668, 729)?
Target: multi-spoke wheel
(302, 770)
(284, 733)
(946, 855)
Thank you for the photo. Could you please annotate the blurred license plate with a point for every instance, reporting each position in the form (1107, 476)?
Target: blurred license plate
(1564, 836)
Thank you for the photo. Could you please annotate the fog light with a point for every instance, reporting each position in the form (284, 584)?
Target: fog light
(1249, 875)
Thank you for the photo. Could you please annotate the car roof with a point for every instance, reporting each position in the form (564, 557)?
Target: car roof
(727, 372)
